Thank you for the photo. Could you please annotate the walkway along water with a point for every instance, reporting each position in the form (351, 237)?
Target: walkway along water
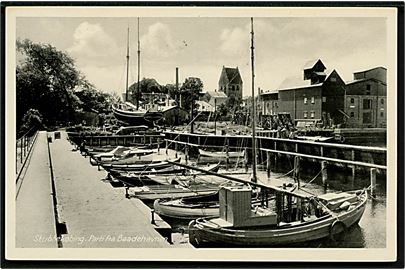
(95, 214)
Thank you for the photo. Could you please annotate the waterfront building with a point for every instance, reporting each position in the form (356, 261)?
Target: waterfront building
(214, 98)
(366, 97)
(316, 97)
(204, 107)
(230, 82)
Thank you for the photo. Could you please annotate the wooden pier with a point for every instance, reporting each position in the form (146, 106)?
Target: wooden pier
(361, 156)
(74, 207)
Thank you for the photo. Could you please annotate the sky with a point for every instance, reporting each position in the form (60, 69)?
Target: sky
(200, 47)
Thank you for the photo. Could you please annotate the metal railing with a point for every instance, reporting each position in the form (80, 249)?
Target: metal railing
(23, 149)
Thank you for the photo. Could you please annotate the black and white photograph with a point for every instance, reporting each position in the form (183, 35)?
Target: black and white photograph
(201, 133)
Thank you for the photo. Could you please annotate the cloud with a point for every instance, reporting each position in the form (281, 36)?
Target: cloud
(158, 41)
(91, 44)
(234, 41)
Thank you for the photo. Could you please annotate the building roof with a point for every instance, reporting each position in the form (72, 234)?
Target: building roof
(269, 92)
(207, 107)
(361, 71)
(295, 82)
(233, 75)
(311, 63)
(363, 80)
(217, 94)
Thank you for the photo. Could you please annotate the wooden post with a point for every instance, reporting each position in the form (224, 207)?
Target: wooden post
(246, 160)
(116, 140)
(373, 178)
(324, 174)
(125, 141)
(167, 146)
(353, 173)
(150, 142)
(296, 147)
(321, 151)
(144, 139)
(175, 148)
(186, 153)
(227, 154)
(268, 164)
(158, 146)
(297, 170)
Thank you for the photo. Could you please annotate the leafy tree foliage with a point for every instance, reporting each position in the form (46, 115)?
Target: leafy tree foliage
(32, 119)
(190, 92)
(146, 85)
(45, 81)
(94, 100)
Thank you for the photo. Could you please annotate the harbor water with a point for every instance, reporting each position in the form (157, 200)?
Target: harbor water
(370, 232)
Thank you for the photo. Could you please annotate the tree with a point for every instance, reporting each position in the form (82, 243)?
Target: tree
(32, 119)
(94, 100)
(190, 92)
(146, 85)
(45, 81)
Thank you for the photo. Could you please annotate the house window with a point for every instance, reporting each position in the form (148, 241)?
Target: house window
(368, 89)
(305, 100)
(333, 79)
(352, 100)
(276, 105)
(305, 114)
(313, 100)
(382, 101)
(367, 118)
(381, 114)
(323, 99)
(351, 114)
(366, 104)
(237, 87)
(312, 114)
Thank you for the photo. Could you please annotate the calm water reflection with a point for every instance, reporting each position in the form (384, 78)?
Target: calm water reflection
(370, 232)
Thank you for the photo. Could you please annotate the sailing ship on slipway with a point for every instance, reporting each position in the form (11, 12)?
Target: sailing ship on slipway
(133, 114)
(293, 218)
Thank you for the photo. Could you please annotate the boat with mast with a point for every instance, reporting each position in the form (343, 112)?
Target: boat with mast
(293, 217)
(129, 113)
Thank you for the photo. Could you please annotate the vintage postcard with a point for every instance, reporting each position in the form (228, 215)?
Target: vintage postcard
(201, 133)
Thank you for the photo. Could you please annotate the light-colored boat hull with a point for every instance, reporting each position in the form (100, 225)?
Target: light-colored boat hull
(202, 232)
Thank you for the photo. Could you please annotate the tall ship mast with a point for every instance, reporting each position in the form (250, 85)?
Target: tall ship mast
(126, 112)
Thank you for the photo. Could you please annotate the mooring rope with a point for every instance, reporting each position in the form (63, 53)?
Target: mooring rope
(313, 178)
(285, 174)
(184, 129)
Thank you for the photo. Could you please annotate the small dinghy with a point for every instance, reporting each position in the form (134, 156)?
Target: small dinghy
(139, 165)
(203, 206)
(221, 155)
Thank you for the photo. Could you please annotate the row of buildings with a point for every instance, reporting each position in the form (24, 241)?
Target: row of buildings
(321, 96)
(317, 97)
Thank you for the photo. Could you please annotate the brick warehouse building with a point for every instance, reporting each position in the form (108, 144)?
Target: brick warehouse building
(325, 96)
(319, 96)
(366, 98)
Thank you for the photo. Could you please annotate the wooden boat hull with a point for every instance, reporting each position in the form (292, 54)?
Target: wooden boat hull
(171, 192)
(145, 167)
(221, 155)
(201, 231)
(189, 208)
(131, 118)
